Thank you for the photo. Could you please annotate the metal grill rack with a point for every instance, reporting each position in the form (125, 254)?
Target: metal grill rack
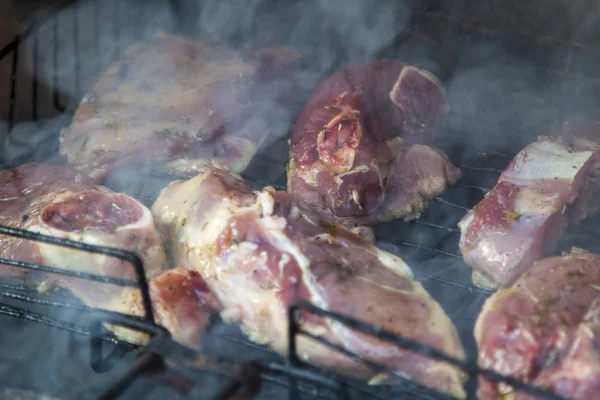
(429, 244)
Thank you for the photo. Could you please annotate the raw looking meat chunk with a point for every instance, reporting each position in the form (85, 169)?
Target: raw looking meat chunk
(353, 151)
(62, 202)
(520, 220)
(181, 302)
(585, 135)
(260, 251)
(180, 106)
(545, 330)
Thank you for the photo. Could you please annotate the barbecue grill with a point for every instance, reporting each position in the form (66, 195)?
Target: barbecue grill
(508, 82)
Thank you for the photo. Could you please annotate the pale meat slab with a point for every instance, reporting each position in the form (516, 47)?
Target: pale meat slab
(260, 251)
(520, 220)
(180, 105)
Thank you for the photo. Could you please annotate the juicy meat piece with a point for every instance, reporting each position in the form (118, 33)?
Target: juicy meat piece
(418, 173)
(260, 251)
(181, 301)
(180, 106)
(585, 135)
(62, 202)
(545, 329)
(346, 155)
(521, 218)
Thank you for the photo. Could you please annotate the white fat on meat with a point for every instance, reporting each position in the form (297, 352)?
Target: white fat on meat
(547, 159)
(61, 202)
(78, 260)
(258, 251)
(520, 220)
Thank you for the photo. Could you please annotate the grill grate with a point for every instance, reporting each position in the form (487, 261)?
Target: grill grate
(429, 244)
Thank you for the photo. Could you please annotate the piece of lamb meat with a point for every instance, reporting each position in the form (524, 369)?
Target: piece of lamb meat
(585, 136)
(520, 220)
(180, 105)
(352, 149)
(62, 202)
(545, 330)
(181, 302)
(260, 251)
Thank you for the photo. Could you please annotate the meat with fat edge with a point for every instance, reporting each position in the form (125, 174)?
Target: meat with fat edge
(181, 106)
(520, 220)
(584, 135)
(545, 330)
(181, 303)
(62, 202)
(260, 251)
(353, 151)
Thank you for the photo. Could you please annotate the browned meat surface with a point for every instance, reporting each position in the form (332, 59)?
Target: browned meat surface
(260, 251)
(353, 152)
(521, 218)
(181, 301)
(545, 330)
(181, 106)
(64, 203)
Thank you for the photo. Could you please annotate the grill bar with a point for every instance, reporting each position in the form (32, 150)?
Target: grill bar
(23, 313)
(132, 258)
(75, 274)
(34, 87)
(55, 92)
(115, 18)
(13, 83)
(75, 19)
(145, 361)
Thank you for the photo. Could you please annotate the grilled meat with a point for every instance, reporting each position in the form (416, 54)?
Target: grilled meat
(180, 106)
(520, 220)
(181, 302)
(545, 330)
(62, 202)
(260, 251)
(585, 136)
(352, 152)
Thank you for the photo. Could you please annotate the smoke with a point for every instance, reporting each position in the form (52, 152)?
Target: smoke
(504, 90)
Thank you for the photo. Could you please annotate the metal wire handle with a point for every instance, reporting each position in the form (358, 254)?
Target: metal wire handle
(470, 368)
(145, 324)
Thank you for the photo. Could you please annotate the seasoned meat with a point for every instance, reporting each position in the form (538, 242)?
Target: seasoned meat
(545, 330)
(181, 302)
(417, 173)
(181, 106)
(353, 153)
(62, 202)
(260, 251)
(585, 136)
(521, 218)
